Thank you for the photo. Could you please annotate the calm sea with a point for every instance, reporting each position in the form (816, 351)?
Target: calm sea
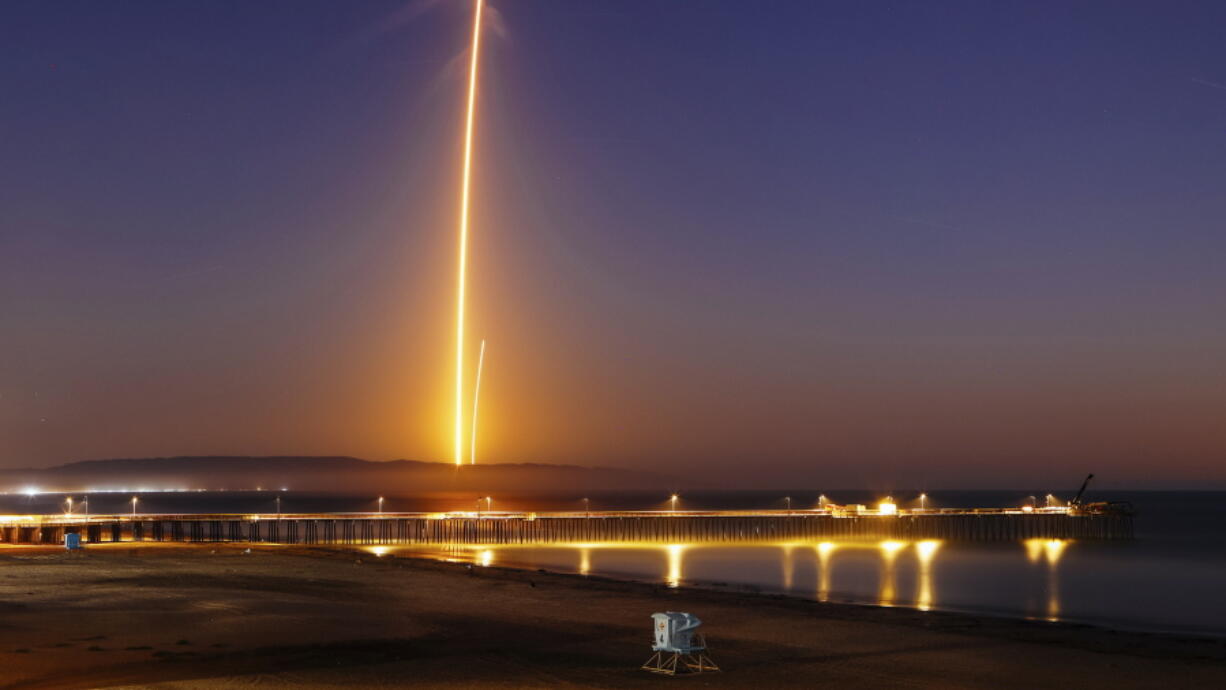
(1172, 577)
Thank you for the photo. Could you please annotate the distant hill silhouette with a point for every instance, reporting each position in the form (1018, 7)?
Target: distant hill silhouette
(311, 473)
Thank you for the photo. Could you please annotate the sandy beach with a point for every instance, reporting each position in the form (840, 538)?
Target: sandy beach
(219, 617)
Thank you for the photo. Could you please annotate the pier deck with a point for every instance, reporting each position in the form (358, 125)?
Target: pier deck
(688, 527)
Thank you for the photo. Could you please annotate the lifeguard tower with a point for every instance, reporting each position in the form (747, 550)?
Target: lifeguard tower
(679, 647)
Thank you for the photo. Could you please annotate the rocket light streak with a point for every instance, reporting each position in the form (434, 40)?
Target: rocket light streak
(477, 399)
(462, 273)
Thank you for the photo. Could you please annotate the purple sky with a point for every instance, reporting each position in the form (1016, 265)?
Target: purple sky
(828, 244)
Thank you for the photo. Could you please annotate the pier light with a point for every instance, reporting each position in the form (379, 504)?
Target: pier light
(69, 502)
(587, 507)
(887, 507)
(821, 501)
(673, 501)
(380, 505)
(923, 501)
(489, 504)
(278, 507)
(133, 506)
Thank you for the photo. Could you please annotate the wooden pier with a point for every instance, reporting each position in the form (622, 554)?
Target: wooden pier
(568, 528)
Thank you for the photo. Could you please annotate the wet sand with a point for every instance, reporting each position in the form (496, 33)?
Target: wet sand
(216, 617)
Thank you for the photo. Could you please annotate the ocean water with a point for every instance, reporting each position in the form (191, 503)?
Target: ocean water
(1171, 578)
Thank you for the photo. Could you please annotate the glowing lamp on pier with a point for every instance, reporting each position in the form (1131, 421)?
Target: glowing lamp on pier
(673, 503)
(887, 507)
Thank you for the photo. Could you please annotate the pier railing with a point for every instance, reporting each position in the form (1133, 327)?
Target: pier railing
(691, 527)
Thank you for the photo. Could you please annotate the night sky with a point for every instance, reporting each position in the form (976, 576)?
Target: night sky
(878, 244)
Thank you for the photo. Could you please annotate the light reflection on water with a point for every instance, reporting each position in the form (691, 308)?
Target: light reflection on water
(889, 551)
(674, 575)
(824, 551)
(1053, 549)
(787, 566)
(885, 573)
(925, 551)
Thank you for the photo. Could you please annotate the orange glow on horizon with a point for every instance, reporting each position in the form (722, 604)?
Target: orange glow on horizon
(463, 258)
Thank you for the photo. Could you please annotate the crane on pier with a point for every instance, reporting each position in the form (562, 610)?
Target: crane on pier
(1077, 504)
(1076, 501)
